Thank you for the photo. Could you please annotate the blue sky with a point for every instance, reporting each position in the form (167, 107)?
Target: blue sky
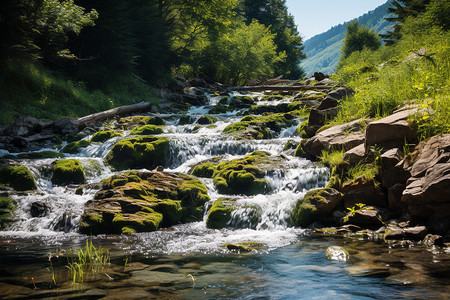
(317, 16)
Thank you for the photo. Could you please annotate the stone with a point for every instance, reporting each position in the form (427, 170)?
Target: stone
(64, 126)
(103, 136)
(140, 152)
(318, 117)
(393, 129)
(18, 177)
(341, 93)
(337, 253)
(6, 211)
(328, 102)
(416, 233)
(23, 126)
(67, 171)
(427, 190)
(38, 209)
(362, 190)
(366, 217)
(394, 198)
(345, 136)
(198, 82)
(316, 205)
(433, 240)
(390, 173)
(142, 202)
(355, 155)
(319, 76)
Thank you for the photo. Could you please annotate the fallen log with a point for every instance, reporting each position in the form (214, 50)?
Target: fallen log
(261, 88)
(121, 110)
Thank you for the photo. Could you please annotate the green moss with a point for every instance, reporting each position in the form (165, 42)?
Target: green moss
(186, 119)
(240, 247)
(220, 109)
(74, 147)
(103, 136)
(68, 171)
(141, 152)
(141, 120)
(299, 152)
(206, 120)
(220, 213)
(6, 209)
(40, 155)
(242, 101)
(205, 170)
(305, 211)
(17, 177)
(252, 127)
(147, 130)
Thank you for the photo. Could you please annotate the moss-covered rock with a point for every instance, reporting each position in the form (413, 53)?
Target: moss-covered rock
(220, 109)
(67, 171)
(103, 136)
(206, 120)
(75, 147)
(140, 152)
(205, 170)
(144, 201)
(134, 121)
(17, 177)
(241, 102)
(147, 130)
(186, 119)
(317, 205)
(6, 209)
(40, 155)
(253, 127)
(220, 213)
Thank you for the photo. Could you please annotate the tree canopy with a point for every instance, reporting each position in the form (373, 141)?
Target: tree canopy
(359, 37)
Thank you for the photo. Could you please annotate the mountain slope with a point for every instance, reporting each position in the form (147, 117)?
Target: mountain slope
(323, 50)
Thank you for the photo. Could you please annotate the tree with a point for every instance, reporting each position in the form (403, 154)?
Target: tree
(359, 37)
(274, 15)
(401, 10)
(40, 29)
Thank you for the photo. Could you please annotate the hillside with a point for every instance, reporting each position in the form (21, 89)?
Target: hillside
(323, 50)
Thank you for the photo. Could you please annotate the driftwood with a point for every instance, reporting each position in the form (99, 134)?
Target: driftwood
(121, 110)
(261, 88)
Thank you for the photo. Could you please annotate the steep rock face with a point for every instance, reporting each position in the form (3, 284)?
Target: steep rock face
(427, 190)
(391, 131)
(345, 136)
(144, 201)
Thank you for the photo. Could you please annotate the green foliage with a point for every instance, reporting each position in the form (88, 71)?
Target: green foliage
(332, 159)
(358, 38)
(18, 177)
(84, 263)
(366, 171)
(67, 171)
(416, 68)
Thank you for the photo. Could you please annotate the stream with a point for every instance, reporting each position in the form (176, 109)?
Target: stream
(189, 261)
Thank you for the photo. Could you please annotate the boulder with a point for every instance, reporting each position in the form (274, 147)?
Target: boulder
(390, 173)
(64, 126)
(394, 198)
(17, 177)
(103, 136)
(319, 76)
(318, 117)
(363, 190)
(416, 233)
(316, 205)
(140, 152)
(220, 214)
(366, 217)
(6, 211)
(345, 136)
(67, 171)
(38, 209)
(355, 155)
(341, 93)
(328, 102)
(427, 190)
(23, 126)
(144, 201)
(391, 131)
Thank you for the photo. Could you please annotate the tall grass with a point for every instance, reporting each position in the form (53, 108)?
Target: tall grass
(30, 89)
(389, 78)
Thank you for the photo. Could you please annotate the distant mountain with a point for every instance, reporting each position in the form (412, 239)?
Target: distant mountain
(323, 50)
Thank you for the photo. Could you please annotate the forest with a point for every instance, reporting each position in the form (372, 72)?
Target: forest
(99, 54)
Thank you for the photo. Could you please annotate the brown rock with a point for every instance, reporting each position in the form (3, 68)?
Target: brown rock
(355, 155)
(319, 76)
(415, 233)
(341, 93)
(328, 102)
(318, 117)
(367, 217)
(427, 191)
(433, 240)
(363, 191)
(393, 129)
(345, 136)
(394, 198)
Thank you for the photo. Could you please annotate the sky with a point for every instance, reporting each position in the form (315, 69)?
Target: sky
(317, 16)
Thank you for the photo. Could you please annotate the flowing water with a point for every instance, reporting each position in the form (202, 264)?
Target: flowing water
(189, 261)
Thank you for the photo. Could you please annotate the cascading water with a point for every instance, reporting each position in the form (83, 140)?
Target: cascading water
(261, 218)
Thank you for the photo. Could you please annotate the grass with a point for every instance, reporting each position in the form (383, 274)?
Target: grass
(389, 78)
(83, 263)
(332, 159)
(367, 171)
(30, 89)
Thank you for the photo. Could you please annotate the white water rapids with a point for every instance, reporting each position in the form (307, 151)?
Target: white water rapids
(289, 183)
